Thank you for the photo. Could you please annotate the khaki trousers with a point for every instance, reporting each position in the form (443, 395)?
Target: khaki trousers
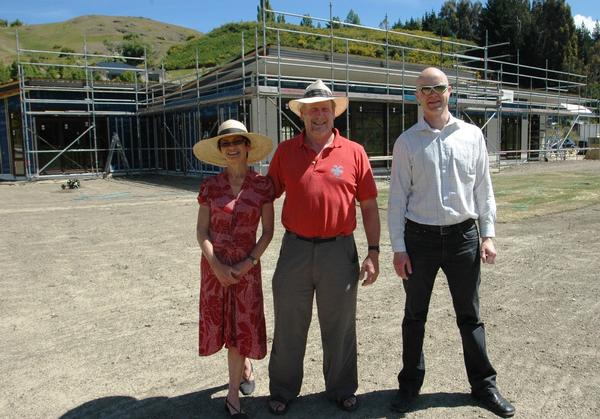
(330, 271)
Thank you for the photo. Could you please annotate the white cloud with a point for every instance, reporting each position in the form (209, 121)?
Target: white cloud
(587, 21)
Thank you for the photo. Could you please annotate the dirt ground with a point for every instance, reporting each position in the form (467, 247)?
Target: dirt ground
(98, 313)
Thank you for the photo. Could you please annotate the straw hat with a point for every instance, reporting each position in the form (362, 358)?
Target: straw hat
(319, 92)
(208, 150)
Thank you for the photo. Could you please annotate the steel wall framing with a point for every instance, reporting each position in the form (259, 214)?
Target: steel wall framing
(102, 107)
(158, 123)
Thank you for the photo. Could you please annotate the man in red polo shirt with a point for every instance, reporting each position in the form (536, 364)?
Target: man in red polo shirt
(323, 175)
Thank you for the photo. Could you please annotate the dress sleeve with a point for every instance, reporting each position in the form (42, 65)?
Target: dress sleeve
(203, 195)
(267, 190)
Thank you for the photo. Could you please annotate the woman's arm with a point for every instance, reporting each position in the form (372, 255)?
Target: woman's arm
(267, 218)
(224, 273)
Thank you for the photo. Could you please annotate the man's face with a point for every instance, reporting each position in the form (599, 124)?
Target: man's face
(318, 119)
(433, 93)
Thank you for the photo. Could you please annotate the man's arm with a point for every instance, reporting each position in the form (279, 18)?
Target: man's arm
(397, 203)
(372, 226)
(485, 203)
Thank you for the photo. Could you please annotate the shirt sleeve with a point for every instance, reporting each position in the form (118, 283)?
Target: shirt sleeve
(400, 182)
(276, 175)
(483, 193)
(366, 187)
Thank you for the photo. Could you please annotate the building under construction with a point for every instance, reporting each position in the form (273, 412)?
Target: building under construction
(95, 126)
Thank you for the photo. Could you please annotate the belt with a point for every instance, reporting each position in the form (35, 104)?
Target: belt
(443, 230)
(314, 239)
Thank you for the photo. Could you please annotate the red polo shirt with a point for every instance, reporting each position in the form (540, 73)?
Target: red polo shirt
(321, 194)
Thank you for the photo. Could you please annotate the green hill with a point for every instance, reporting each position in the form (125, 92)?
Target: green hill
(177, 46)
(224, 44)
(95, 30)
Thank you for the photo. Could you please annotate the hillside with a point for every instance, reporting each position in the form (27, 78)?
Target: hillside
(224, 43)
(95, 29)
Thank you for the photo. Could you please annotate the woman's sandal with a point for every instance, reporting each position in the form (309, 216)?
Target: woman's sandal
(345, 403)
(281, 408)
(237, 413)
(247, 386)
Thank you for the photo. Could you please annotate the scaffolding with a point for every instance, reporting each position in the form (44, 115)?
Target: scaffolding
(156, 123)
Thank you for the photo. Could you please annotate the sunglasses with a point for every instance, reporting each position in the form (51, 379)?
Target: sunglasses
(440, 89)
(234, 143)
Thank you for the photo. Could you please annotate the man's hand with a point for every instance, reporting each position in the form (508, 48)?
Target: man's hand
(488, 250)
(370, 268)
(402, 265)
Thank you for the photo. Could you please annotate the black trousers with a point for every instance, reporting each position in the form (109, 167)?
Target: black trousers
(455, 250)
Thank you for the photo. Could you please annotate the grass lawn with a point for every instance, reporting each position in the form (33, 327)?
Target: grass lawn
(525, 195)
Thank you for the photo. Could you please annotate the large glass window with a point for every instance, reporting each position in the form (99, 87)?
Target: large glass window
(367, 126)
(410, 118)
(511, 138)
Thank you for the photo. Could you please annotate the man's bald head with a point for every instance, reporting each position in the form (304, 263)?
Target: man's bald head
(432, 76)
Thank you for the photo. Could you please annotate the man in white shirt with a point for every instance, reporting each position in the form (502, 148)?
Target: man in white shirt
(440, 185)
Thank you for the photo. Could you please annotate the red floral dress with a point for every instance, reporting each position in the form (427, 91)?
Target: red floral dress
(233, 316)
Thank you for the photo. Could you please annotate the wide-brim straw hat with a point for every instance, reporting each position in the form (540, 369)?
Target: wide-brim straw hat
(208, 149)
(319, 92)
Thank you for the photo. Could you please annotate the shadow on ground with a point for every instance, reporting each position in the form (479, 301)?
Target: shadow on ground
(188, 183)
(201, 404)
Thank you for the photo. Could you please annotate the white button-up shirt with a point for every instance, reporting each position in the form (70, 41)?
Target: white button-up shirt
(440, 177)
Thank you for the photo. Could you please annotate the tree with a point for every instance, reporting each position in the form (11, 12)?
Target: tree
(14, 70)
(596, 31)
(306, 21)
(505, 20)
(4, 73)
(414, 24)
(430, 22)
(134, 46)
(584, 44)
(280, 18)
(468, 14)
(16, 22)
(552, 36)
(352, 18)
(270, 16)
(449, 16)
(335, 22)
(3, 23)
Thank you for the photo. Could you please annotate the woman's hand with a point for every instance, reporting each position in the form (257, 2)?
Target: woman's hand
(227, 275)
(241, 268)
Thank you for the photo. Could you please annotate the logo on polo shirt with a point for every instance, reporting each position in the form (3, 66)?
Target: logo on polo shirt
(337, 170)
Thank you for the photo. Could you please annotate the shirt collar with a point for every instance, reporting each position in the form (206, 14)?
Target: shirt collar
(424, 126)
(334, 144)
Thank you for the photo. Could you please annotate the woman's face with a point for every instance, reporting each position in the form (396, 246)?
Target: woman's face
(234, 148)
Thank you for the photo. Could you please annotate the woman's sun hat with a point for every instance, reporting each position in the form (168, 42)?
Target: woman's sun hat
(208, 149)
(319, 92)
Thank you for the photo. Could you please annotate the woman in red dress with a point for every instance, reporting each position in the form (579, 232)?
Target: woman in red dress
(231, 206)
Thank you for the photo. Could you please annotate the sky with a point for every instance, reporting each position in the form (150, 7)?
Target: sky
(195, 14)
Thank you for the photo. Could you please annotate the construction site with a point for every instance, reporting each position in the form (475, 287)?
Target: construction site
(95, 126)
(100, 284)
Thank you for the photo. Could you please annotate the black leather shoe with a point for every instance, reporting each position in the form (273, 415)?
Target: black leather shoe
(492, 400)
(403, 402)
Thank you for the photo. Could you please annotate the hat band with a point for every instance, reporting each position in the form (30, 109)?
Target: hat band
(317, 92)
(232, 131)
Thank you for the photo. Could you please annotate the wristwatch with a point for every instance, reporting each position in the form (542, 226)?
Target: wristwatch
(374, 247)
(253, 260)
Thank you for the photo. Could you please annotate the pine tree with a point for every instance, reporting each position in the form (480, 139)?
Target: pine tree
(270, 16)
